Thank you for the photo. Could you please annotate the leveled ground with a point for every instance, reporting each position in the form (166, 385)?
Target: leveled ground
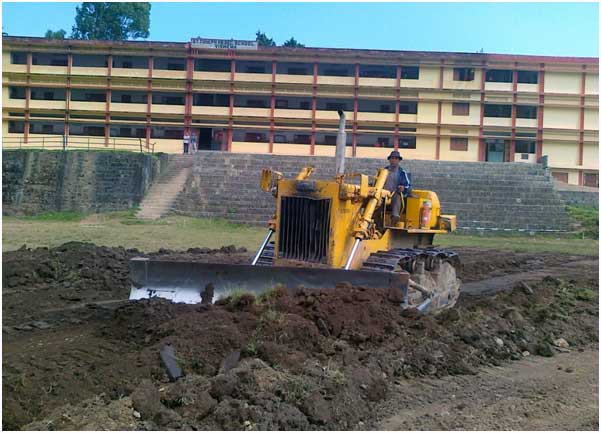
(179, 232)
(518, 352)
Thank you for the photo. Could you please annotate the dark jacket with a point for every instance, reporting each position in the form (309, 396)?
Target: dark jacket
(403, 179)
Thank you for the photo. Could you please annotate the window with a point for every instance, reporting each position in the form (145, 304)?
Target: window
(329, 138)
(170, 63)
(410, 72)
(561, 176)
(526, 111)
(130, 62)
(18, 58)
(336, 70)
(251, 67)
(129, 97)
(371, 106)
(459, 143)
(591, 179)
(88, 95)
(377, 71)
(461, 109)
(82, 129)
(463, 74)
(211, 100)
(252, 101)
(16, 127)
(90, 61)
(168, 98)
(255, 137)
(302, 138)
(45, 127)
(407, 142)
(528, 77)
(491, 110)
(525, 146)
(294, 68)
(135, 131)
(334, 104)
(17, 92)
(499, 76)
(49, 59)
(281, 103)
(408, 107)
(213, 65)
(169, 132)
(45, 94)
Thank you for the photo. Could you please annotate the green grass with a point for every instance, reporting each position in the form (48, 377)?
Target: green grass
(180, 233)
(588, 218)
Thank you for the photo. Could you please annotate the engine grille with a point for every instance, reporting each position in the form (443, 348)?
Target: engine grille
(304, 229)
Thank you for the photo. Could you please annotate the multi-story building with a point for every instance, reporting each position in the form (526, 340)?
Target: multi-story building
(235, 96)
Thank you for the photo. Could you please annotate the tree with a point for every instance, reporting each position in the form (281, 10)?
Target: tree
(111, 21)
(263, 40)
(59, 34)
(293, 43)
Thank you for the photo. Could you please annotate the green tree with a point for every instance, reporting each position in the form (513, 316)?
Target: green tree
(293, 43)
(59, 34)
(111, 21)
(263, 40)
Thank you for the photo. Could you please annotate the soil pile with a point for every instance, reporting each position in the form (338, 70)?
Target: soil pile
(313, 359)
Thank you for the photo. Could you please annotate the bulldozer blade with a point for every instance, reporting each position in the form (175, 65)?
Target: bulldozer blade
(184, 282)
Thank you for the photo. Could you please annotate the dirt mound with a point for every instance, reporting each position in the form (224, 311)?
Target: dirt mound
(305, 360)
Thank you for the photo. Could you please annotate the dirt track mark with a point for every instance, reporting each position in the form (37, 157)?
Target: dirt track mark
(559, 393)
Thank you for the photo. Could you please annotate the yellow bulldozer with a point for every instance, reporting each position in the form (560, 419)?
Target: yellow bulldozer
(326, 232)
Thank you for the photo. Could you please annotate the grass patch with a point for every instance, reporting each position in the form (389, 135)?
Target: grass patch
(588, 218)
(56, 216)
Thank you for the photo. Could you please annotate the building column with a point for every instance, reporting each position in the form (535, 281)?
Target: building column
(68, 96)
(581, 126)
(107, 112)
(189, 97)
(481, 147)
(230, 131)
(272, 107)
(397, 107)
(540, 113)
(313, 108)
(27, 98)
(439, 111)
(149, 99)
(355, 109)
(514, 100)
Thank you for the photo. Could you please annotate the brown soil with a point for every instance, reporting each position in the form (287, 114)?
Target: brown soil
(332, 359)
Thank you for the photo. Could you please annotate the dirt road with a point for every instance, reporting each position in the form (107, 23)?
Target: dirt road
(73, 358)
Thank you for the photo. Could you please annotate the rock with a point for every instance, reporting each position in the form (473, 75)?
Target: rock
(525, 353)
(526, 288)
(544, 349)
(230, 362)
(40, 324)
(499, 342)
(24, 327)
(323, 327)
(569, 370)
(137, 414)
(147, 400)
(316, 408)
(561, 342)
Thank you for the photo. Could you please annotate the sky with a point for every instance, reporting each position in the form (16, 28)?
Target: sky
(562, 29)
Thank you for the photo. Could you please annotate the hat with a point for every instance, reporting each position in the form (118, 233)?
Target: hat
(395, 153)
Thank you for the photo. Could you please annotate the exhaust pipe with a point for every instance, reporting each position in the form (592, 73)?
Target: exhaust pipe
(341, 144)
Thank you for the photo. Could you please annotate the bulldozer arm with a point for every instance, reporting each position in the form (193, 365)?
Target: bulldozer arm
(181, 281)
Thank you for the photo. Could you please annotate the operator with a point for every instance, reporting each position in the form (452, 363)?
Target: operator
(398, 183)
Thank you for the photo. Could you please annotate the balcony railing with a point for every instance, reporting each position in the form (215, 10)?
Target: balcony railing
(65, 143)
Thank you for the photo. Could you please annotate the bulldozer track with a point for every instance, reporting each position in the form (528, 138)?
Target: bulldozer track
(406, 259)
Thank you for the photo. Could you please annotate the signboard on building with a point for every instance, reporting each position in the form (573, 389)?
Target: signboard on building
(223, 44)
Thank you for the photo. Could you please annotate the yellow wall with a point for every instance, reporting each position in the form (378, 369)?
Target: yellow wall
(561, 154)
(562, 82)
(591, 86)
(427, 112)
(590, 156)
(244, 147)
(472, 119)
(448, 82)
(291, 149)
(457, 155)
(591, 119)
(554, 117)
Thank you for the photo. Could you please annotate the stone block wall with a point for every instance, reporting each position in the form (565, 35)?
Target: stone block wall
(43, 181)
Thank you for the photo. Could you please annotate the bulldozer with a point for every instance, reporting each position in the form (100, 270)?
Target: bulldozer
(323, 233)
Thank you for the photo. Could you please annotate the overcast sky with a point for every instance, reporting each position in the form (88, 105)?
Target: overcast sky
(563, 29)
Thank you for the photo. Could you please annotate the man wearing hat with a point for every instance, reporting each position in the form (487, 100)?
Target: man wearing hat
(398, 183)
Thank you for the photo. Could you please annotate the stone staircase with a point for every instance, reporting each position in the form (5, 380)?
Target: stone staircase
(163, 192)
(484, 196)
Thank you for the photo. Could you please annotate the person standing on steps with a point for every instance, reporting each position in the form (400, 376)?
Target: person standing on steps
(398, 183)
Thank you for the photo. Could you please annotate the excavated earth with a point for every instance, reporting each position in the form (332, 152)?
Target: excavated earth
(76, 356)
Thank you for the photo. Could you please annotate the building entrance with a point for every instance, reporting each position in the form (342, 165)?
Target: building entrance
(496, 150)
